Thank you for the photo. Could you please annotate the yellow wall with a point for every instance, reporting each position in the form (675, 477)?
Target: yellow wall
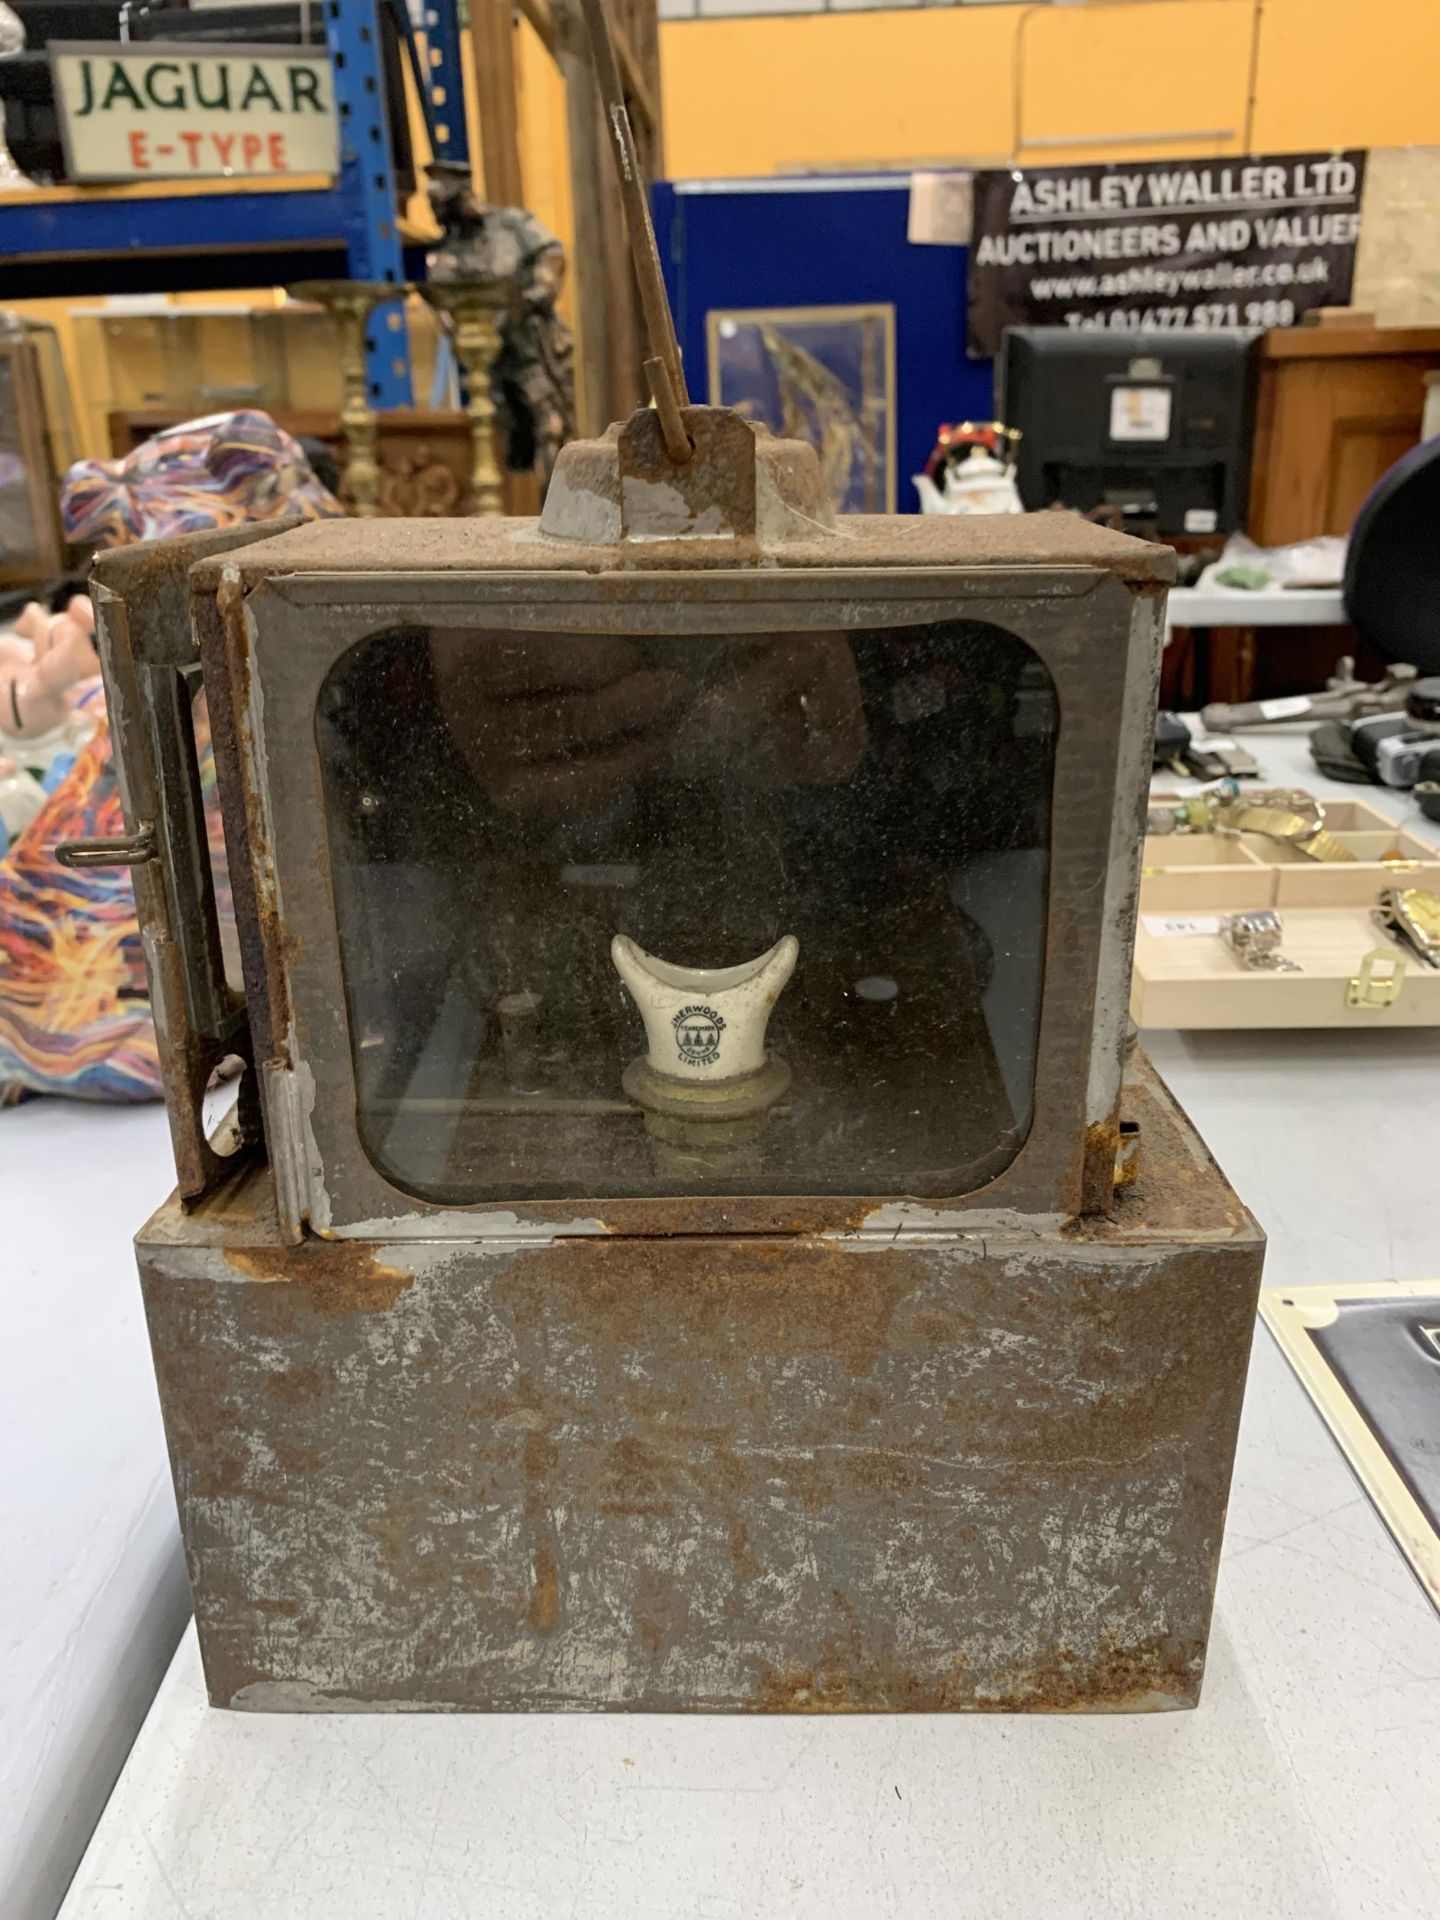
(815, 93)
(1132, 79)
(545, 145)
(1365, 71)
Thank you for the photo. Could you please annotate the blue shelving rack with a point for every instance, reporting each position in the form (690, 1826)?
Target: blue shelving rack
(76, 243)
(367, 189)
(447, 81)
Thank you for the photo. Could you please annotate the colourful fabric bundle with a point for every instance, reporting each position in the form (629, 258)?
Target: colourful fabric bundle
(74, 1004)
(204, 474)
(74, 1008)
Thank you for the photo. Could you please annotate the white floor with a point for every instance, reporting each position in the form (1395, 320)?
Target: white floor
(92, 1586)
(1307, 1784)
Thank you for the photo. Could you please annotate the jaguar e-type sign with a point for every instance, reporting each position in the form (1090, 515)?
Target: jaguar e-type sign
(153, 111)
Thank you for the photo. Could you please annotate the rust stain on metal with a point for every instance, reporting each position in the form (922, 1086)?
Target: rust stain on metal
(298, 1459)
(1102, 1147)
(348, 1279)
(391, 1532)
(539, 1462)
(1127, 1155)
(544, 1610)
(1177, 1184)
(1115, 1679)
(296, 1386)
(797, 1298)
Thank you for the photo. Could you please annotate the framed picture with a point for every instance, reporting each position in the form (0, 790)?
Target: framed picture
(822, 374)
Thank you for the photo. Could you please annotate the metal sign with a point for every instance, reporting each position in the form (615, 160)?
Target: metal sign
(1163, 243)
(193, 112)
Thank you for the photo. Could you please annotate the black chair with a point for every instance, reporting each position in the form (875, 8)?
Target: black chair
(1392, 565)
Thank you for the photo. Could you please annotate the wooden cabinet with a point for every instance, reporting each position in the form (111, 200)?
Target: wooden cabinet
(1336, 407)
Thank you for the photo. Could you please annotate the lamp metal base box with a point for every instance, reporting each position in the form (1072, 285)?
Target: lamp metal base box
(972, 1470)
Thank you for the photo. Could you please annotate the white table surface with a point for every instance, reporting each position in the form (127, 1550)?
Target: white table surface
(1307, 1784)
(1214, 607)
(92, 1584)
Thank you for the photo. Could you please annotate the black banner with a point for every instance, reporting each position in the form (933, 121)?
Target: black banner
(1163, 243)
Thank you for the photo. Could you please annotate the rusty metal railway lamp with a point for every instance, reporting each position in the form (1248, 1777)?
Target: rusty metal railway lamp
(672, 1254)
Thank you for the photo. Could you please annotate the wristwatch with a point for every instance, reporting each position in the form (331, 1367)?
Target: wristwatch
(1306, 832)
(1412, 916)
(1287, 814)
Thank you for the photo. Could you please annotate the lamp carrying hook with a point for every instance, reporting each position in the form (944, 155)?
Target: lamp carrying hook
(662, 366)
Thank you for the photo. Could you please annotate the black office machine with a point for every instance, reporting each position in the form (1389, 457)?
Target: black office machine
(1154, 426)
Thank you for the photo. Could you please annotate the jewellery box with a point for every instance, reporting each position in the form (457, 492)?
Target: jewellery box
(1325, 918)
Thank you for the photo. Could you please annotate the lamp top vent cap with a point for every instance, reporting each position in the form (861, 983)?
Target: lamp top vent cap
(740, 484)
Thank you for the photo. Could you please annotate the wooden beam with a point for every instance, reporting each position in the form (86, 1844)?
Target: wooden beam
(608, 338)
(492, 40)
(638, 91)
(636, 234)
(589, 185)
(638, 94)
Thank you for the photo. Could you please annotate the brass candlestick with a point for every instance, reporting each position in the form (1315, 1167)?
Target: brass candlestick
(349, 304)
(474, 307)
